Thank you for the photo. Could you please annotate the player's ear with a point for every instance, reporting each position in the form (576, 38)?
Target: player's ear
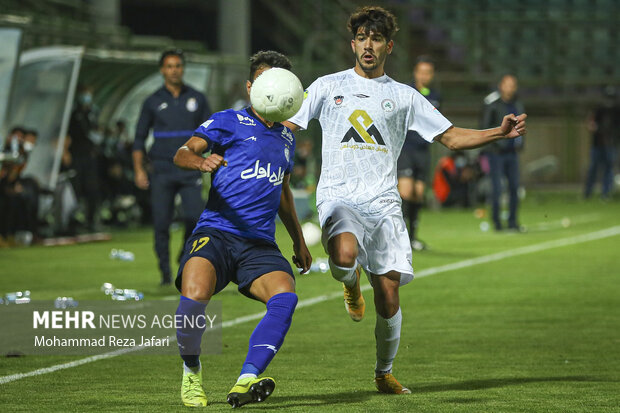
(353, 45)
(390, 46)
(248, 86)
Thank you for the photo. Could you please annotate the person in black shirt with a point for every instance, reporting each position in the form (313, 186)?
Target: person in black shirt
(85, 156)
(415, 158)
(19, 195)
(173, 112)
(503, 153)
(605, 137)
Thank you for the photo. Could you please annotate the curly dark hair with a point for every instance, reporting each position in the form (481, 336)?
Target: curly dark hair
(373, 18)
(268, 58)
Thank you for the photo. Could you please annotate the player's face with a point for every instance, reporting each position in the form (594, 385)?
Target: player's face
(423, 74)
(258, 72)
(248, 86)
(172, 70)
(370, 51)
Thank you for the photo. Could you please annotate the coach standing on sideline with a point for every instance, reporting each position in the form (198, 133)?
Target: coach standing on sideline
(173, 112)
(503, 153)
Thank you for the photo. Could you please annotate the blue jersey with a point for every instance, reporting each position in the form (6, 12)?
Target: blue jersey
(245, 195)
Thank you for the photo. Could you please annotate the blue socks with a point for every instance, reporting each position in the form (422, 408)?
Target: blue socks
(269, 334)
(265, 341)
(188, 336)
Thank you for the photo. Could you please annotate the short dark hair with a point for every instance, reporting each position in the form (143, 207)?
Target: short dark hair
(171, 52)
(268, 58)
(373, 18)
(425, 59)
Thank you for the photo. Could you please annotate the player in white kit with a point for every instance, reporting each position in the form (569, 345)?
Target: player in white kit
(364, 116)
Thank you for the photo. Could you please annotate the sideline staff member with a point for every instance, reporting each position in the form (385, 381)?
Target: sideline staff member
(504, 153)
(173, 112)
(415, 157)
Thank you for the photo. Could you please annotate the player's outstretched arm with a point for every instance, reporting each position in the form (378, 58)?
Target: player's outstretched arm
(189, 156)
(302, 258)
(459, 138)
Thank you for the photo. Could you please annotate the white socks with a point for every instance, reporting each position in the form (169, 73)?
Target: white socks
(387, 334)
(245, 376)
(343, 274)
(194, 370)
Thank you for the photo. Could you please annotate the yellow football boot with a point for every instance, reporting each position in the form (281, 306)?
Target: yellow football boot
(192, 393)
(387, 383)
(353, 298)
(250, 390)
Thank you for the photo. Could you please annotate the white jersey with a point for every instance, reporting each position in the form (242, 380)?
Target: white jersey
(364, 123)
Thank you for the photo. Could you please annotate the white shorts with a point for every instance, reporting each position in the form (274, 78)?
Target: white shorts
(382, 240)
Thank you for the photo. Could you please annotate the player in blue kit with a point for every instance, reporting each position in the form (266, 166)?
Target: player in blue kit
(250, 163)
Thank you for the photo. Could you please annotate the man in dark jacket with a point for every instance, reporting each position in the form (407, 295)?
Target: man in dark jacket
(503, 153)
(173, 112)
(605, 137)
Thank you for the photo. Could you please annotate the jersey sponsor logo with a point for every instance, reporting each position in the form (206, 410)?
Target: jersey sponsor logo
(364, 131)
(191, 105)
(360, 95)
(287, 135)
(163, 106)
(338, 100)
(388, 105)
(246, 120)
(207, 123)
(251, 138)
(259, 172)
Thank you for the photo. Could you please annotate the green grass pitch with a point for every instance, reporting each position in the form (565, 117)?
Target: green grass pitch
(530, 329)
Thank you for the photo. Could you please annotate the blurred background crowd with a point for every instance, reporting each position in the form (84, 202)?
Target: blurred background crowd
(74, 73)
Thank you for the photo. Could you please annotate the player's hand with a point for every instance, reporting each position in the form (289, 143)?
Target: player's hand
(212, 163)
(141, 179)
(302, 258)
(514, 126)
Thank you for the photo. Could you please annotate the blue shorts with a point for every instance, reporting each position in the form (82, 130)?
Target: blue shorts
(237, 259)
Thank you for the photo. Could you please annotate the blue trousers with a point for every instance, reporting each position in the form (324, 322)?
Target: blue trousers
(166, 182)
(601, 157)
(504, 165)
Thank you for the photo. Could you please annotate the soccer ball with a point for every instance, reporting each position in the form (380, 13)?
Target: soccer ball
(276, 94)
(312, 233)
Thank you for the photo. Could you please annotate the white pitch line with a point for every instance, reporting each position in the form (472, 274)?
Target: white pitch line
(562, 242)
